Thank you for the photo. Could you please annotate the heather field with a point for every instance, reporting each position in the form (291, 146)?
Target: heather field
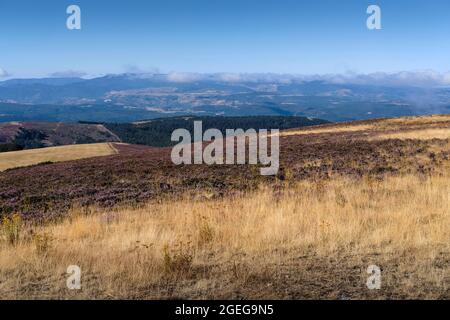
(137, 174)
(346, 196)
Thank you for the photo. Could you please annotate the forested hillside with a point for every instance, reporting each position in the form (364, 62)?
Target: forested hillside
(157, 132)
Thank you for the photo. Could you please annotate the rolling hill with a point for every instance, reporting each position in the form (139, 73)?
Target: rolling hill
(157, 132)
(30, 135)
(138, 173)
(347, 196)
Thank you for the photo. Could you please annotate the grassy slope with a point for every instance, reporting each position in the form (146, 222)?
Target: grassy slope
(15, 159)
(315, 240)
(310, 234)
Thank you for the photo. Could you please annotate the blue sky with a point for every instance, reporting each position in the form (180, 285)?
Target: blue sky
(283, 36)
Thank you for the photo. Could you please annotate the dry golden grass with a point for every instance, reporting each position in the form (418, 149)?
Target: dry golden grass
(418, 119)
(328, 129)
(9, 160)
(422, 134)
(308, 240)
(422, 123)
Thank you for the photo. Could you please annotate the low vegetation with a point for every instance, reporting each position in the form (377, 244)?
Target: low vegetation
(346, 196)
(419, 134)
(314, 239)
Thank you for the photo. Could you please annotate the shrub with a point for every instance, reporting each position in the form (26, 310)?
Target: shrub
(341, 200)
(42, 242)
(177, 261)
(12, 227)
(205, 232)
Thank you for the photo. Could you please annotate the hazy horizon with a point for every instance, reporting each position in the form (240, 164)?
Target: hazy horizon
(425, 78)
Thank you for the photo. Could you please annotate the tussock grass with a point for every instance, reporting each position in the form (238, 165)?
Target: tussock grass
(15, 159)
(305, 240)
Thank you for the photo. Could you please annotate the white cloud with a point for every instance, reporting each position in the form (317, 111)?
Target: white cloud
(185, 77)
(425, 78)
(229, 77)
(3, 73)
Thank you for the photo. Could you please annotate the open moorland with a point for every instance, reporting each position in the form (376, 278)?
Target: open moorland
(346, 196)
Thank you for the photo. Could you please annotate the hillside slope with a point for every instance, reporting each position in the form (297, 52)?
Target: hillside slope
(137, 174)
(29, 135)
(24, 158)
(157, 132)
(347, 197)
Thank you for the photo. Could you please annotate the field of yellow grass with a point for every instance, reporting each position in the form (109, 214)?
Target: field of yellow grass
(422, 134)
(423, 127)
(303, 240)
(9, 160)
(417, 120)
(326, 129)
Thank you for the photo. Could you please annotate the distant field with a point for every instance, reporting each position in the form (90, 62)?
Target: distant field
(326, 129)
(418, 128)
(420, 134)
(15, 159)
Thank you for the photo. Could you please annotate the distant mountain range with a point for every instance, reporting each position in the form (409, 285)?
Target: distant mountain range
(133, 97)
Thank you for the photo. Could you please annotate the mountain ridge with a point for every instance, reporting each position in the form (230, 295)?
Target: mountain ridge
(133, 97)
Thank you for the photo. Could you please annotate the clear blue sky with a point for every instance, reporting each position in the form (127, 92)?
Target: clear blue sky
(283, 36)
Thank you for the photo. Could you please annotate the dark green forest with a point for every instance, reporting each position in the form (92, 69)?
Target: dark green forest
(157, 132)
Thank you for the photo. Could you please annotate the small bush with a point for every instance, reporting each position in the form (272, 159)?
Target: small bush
(42, 242)
(44, 163)
(177, 261)
(341, 200)
(241, 271)
(285, 174)
(205, 232)
(12, 228)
